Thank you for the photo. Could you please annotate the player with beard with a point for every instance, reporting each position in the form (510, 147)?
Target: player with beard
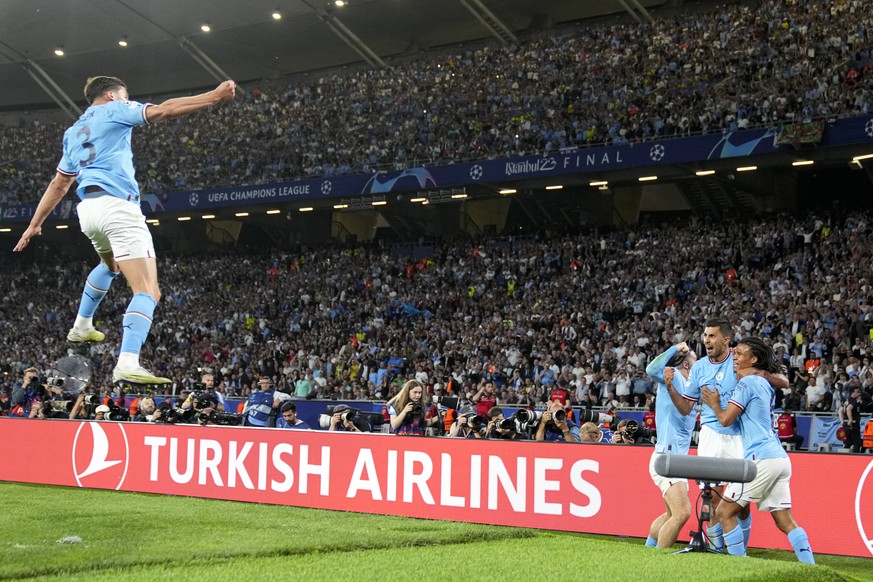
(716, 371)
(751, 409)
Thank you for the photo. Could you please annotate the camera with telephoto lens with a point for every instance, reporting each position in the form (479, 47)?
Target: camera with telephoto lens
(175, 415)
(477, 422)
(203, 399)
(55, 382)
(505, 424)
(57, 408)
(416, 409)
(633, 430)
(116, 413)
(210, 415)
(528, 418)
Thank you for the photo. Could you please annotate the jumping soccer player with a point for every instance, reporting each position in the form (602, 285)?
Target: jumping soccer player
(97, 153)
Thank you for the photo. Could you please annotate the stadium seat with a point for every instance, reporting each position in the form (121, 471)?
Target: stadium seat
(788, 446)
(823, 447)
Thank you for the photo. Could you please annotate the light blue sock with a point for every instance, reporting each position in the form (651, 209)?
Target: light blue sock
(746, 525)
(651, 542)
(714, 535)
(96, 287)
(733, 541)
(800, 543)
(137, 322)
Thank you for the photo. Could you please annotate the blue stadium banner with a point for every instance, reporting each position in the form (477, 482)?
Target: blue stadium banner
(500, 171)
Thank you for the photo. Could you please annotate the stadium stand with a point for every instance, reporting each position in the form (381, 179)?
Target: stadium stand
(592, 84)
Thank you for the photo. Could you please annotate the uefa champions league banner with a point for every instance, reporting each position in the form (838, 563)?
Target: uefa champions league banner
(570, 487)
(579, 161)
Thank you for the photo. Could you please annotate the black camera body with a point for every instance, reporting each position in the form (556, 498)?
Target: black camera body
(416, 409)
(117, 413)
(218, 417)
(637, 432)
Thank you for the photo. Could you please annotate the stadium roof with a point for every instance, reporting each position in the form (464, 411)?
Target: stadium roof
(168, 52)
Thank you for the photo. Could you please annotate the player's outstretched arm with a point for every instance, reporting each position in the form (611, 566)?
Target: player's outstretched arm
(56, 190)
(181, 106)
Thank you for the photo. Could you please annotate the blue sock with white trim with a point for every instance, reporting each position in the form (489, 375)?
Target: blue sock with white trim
(137, 322)
(96, 287)
(651, 542)
(746, 525)
(733, 541)
(800, 543)
(714, 535)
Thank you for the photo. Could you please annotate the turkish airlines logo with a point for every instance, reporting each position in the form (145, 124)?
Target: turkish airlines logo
(100, 455)
(864, 498)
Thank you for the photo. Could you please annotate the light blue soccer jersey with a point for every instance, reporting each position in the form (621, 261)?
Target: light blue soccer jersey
(756, 398)
(706, 372)
(97, 149)
(674, 430)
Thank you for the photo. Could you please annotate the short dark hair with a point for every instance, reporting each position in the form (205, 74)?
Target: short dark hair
(96, 87)
(723, 325)
(289, 406)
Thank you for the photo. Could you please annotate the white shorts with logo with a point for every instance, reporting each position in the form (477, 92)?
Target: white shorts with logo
(716, 444)
(115, 225)
(662, 482)
(770, 488)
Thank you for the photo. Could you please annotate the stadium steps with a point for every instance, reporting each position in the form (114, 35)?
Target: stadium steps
(717, 197)
(696, 195)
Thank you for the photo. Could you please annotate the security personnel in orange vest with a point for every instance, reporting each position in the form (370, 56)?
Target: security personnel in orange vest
(867, 439)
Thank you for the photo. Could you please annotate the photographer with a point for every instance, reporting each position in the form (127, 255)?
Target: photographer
(25, 394)
(554, 426)
(411, 410)
(144, 409)
(288, 418)
(463, 426)
(629, 432)
(346, 419)
(259, 408)
(500, 427)
(205, 388)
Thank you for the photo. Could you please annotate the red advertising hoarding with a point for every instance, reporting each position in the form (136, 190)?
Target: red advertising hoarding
(584, 488)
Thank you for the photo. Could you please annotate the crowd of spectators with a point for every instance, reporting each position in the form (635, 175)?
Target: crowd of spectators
(734, 66)
(583, 313)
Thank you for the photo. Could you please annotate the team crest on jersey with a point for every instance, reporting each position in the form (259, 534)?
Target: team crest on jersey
(130, 104)
(719, 376)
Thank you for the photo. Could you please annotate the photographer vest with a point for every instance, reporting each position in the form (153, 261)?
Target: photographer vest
(260, 407)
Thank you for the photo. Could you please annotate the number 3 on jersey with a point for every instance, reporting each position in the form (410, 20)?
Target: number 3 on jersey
(85, 134)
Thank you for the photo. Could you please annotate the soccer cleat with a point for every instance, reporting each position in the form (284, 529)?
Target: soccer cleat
(77, 336)
(138, 375)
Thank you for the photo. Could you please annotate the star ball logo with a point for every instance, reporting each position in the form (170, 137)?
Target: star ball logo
(326, 187)
(100, 455)
(657, 153)
(868, 129)
(476, 172)
(193, 199)
(864, 507)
